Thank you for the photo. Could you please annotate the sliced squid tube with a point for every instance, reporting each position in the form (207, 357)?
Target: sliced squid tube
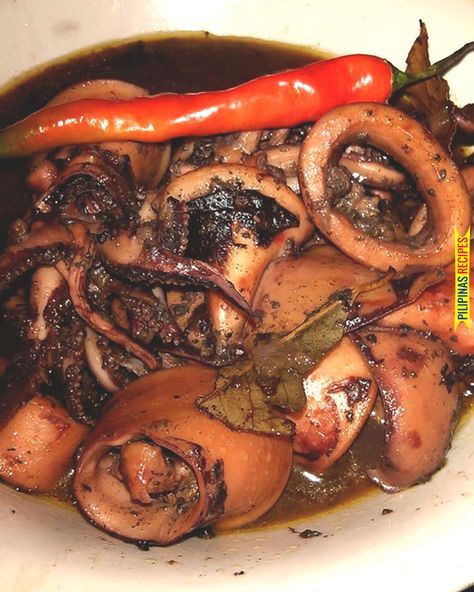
(291, 288)
(420, 399)
(340, 394)
(37, 444)
(434, 311)
(155, 467)
(403, 138)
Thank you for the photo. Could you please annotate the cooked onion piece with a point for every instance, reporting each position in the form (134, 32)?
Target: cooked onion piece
(155, 467)
(409, 144)
(245, 253)
(420, 400)
(46, 281)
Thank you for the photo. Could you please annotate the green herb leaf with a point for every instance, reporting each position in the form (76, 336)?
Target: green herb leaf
(242, 405)
(248, 396)
(289, 393)
(324, 328)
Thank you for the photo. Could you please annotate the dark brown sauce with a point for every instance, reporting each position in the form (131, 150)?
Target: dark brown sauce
(183, 63)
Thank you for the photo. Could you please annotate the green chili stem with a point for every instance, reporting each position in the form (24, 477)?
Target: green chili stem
(403, 79)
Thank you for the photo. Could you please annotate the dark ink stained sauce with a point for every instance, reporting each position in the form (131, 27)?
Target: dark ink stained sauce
(186, 63)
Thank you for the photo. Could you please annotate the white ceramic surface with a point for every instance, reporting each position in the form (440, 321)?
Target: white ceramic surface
(426, 543)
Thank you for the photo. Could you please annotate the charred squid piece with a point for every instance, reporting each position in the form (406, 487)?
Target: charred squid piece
(410, 145)
(43, 246)
(45, 284)
(146, 262)
(420, 400)
(76, 277)
(340, 394)
(239, 220)
(156, 468)
(148, 162)
(94, 186)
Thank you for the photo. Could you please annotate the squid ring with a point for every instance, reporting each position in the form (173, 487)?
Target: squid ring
(436, 176)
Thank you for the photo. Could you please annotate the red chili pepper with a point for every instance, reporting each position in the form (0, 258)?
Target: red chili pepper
(277, 100)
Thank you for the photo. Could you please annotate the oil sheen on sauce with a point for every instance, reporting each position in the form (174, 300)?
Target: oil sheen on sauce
(184, 63)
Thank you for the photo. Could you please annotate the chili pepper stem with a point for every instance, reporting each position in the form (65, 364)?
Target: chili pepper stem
(403, 79)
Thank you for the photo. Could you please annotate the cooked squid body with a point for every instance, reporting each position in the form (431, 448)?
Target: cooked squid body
(247, 253)
(291, 288)
(437, 178)
(342, 388)
(38, 440)
(420, 401)
(340, 391)
(434, 311)
(468, 176)
(148, 162)
(155, 467)
(340, 394)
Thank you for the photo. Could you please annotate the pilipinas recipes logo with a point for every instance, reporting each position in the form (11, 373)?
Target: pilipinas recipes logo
(462, 313)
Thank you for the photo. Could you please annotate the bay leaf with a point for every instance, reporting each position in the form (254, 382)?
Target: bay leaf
(324, 328)
(427, 101)
(249, 396)
(242, 405)
(289, 394)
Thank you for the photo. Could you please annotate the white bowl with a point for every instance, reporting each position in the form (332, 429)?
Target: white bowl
(426, 543)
